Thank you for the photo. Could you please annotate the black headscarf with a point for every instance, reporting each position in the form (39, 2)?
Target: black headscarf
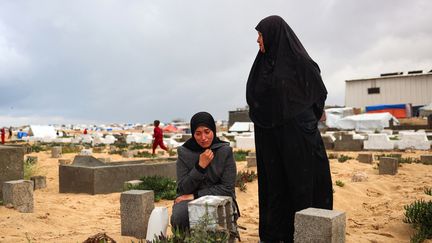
(201, 119)
(284, 80)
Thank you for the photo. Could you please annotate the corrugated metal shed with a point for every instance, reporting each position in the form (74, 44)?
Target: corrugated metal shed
(414, 88)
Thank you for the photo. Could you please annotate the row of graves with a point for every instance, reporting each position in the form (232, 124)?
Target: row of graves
(139, 216)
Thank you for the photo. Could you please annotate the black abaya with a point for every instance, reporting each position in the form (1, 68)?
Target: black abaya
(286, 98)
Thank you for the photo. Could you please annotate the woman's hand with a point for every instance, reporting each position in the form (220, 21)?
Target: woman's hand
(206, 158)
(184, 197)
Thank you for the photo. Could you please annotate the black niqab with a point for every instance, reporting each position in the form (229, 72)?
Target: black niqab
(283, 81)
(201, 119)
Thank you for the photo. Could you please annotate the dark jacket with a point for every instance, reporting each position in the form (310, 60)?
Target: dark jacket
(217, 179)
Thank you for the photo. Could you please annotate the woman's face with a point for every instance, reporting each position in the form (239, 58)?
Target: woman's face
(204, 136)
(260, 41)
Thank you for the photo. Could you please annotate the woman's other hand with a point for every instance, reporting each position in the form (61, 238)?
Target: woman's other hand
(183, 198)
(205, 158)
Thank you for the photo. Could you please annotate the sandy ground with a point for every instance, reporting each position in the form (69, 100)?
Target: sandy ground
(374, 208)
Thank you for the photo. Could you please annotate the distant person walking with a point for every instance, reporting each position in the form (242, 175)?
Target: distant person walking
(85, 131)
(3, 134)
(158, 137)
(286, 95)
(10, 133)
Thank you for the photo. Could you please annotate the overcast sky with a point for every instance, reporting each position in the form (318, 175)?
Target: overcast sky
(89, 61)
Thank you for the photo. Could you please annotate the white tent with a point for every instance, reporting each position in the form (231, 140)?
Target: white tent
(335, 114)
(38, 131)
(426, 110)
(366, 121)
(242, 127)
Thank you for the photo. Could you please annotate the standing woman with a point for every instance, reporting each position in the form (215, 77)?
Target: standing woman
(286, 96)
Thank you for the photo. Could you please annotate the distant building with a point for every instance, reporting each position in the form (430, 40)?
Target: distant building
(414, 88)
(239, 115)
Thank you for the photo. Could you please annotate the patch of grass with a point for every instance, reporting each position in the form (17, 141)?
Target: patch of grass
(243, 177)
(332, 156)
(117, 151)
(136, 146)
(30, 169)
(340, 183)
(342, 158)
(172, 152)
(144, 154)
(419, 215)
(37, 148)
(428, 191)
(240, 155)
(66, 149)
(163, 187)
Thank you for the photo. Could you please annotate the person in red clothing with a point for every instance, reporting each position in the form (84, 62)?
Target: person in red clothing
(85, 131)
(158, 137)
(3, 134)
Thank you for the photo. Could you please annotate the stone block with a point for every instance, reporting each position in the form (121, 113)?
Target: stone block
(135, 209)
(39, 182)
(105, 160)
(251, 161)
(320, 226)
(65, 161)
(129, 184)
(109, 178)
(245, 142)
(354, 145)
(359, 176)
(87, 160)
(127, 154)
(252, 154)
(11, 164)
(86, 152)
(426, 159)
(218, 209)
(56, 152)
(365, 158)
(414, 140)
(19, 194)
(388, 166)
(328, 141)
(378, 142)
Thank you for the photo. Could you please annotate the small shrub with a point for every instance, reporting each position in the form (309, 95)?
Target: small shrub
(116, 151)
(37, 148)
(419, 215)
(70, 149)
(172, 152)
(163, 187)
(342, 158)
(30, 169)
(144, 154)
(240, 155)
(340, 183)
(409, 160)
(428, 191)
(332, 156)
(243, 177)
(136, 146)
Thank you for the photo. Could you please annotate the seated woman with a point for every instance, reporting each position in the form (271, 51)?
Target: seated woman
(205, 166)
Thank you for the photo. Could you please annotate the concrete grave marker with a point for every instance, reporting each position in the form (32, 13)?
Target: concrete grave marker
(365, 158)
(19, 194)
(56, 152)
(426, 159)
(39, 182)
(319, 225)
(11, 164)
(135, 209)
(388, 166)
